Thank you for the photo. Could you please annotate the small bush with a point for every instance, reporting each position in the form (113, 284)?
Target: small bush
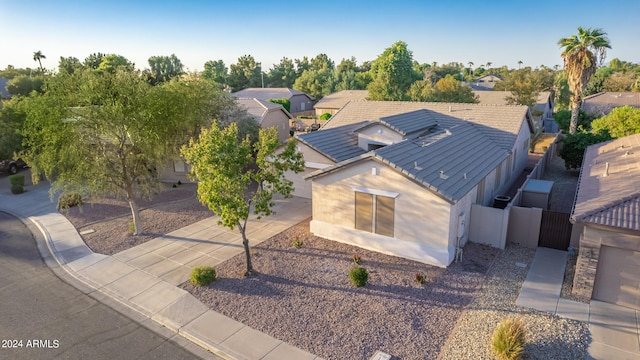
(358, 276)
(419, 278)
(203, 275)
(17, 189)
(69, 200)
(132, 227)
(297, 243)
(16, 179)
(356, 259)
(325, 116)
(508, 339)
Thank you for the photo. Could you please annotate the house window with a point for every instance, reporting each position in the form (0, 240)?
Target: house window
(498, 177)
(375, 213)
(480, 194)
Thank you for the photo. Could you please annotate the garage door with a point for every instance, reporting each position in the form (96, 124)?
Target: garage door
(618, 277)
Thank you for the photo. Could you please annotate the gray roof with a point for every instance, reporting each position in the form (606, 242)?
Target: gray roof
(3, 88)
(498, 98)
(612, 200)
(268, 93)
(603, 103)
(340, 98)
(259, 108)
(406, 123)
(337, 144)
(500, 123)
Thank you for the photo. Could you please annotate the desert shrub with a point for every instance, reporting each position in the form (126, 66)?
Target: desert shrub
(358, 276)
(325, 116)
(508, 339)
(356, 259)
(419, 278)
(17, 189)
(69, 200)
(132, 227)
(297, 243)
(203, 275)
(16, 179)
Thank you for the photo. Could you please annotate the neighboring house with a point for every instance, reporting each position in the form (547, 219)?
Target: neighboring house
(4, 94)
(400, 177)
(542, 109)
(602, 103)
(485, 82)
(300, 102)
(607, 210)
(333, 102)
(268, 114)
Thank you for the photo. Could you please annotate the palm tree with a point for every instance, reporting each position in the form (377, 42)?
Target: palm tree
(519, 63)
(470, 68)
(38, 56)
(581, 54)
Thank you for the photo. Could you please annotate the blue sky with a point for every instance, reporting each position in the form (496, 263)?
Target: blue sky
(500, 32)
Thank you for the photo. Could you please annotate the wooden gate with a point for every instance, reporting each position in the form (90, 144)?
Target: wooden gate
(555, 230)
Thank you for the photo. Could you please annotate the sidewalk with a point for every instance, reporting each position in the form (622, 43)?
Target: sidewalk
(614, 330)
(145, 278)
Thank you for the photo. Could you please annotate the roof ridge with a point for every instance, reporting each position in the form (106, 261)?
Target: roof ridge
(609, 206)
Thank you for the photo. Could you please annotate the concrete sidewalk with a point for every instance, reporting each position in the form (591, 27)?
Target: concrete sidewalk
(615, 332)
(144, 278)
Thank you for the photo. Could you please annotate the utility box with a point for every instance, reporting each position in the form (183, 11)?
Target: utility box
(537, 194)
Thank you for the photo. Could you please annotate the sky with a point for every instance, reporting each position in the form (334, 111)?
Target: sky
(196, 31)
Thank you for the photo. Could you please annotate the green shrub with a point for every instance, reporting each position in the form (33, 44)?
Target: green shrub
(17, 189)
(16, 179)
(69, 200)
(297, 243)
(419, 278)
(132, 227)
(325, 116)
(508, 339)
(203, 275)
(358, 276)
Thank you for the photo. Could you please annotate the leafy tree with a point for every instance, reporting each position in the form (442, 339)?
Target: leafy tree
(422, 90)
(246, 73)
(575, 144)
(315, 83)
(38, 56)
(348, 76)
(231, 183)
(216, 71)
(451, 90)
(301, 65)
(286, 103)
(106, 133)
(164, 68)
(596, 83)
(10, 72)
(563, 119)
(283, 74)
(562, 94)
(581, 54)
(69, 64)
(620, 122)
(11, 122)
(110, 63)
(23, 85)
(620, 82)
(321, 63)
(93, 61)
(523, 87)
(392, 73)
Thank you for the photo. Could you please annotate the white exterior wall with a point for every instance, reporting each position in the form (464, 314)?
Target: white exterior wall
(422, 220)
(313, 161)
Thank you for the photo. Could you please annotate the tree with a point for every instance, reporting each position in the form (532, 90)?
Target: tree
(11, 122)
(563, 119)
(392, 73)
(315, 83)
(93, 61)
(286, 103)
(106, 133)
(23, 85)
(38, 56)
(451, 90)
(523, 87)
(232, 183)
(164, 68)
(246, 73)
(111, 63)
(620, 82)
(575, 144)
(283, 74)
(69, 64)
(620, 122)
(562, 94)
(422, 90)
(581, 54)
(216, 71)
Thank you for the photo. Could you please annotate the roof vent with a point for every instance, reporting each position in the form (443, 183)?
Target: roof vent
(450, 109)
(465, 176)
(443, 176)
(415, 166)
(606, 170)
(447, 131)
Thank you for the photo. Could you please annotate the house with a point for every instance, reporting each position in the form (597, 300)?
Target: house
(400, 177)
(300, 102)
(485, 82)
(607, 214)
(543, 105)
(268, 114)
(602, 103)
(333, 102)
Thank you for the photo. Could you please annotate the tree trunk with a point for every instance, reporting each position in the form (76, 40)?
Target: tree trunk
(247, 253)
(575, 113)
(135, 212)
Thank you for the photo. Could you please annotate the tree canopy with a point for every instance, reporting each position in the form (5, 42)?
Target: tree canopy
(620, 122)
(392, 74)
(164, 68)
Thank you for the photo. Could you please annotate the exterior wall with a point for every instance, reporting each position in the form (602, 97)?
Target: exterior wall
(377, 134)
(320, 111)
(172, 172)
(422, 220)
(461, 214)
(300, 103)
(313, 161)
(489, 226)
(524, 226)
(591, 241)
(281, 121)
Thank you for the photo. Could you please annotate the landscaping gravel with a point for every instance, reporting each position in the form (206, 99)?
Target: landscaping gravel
(548, 336)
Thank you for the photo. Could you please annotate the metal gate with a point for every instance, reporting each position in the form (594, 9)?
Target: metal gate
(555, 230)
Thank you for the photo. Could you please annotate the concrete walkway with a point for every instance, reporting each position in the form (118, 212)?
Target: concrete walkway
(144, 278)
(615, 331)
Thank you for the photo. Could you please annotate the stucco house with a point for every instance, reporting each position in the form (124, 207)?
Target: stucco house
(300, 102)
(268, 114)
(602, 103)
(333, 102)
(485, 82)
(607, 214)
(400, 177)
(544, 103)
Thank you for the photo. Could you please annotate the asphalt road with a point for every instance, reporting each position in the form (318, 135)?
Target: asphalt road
(43, 317)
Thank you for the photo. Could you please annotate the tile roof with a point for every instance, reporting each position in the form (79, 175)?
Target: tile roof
(501, 123)
(498, 98)
(267, 93)
(259, 108)
(603, 103)
(340, 98)
(406, 123)
(612, 200)
(338, 144)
